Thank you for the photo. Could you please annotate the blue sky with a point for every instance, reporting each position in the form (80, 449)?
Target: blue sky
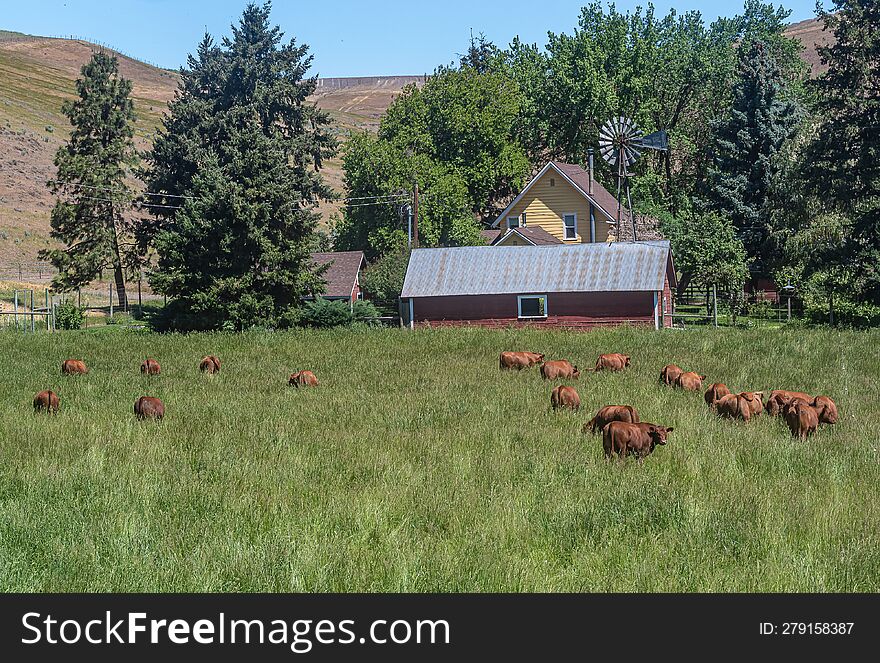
(347, 37)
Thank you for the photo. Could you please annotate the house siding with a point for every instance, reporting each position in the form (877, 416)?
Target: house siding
(578, 310)
(545, 205)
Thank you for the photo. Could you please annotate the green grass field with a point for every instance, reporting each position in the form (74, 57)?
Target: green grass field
(418, 466)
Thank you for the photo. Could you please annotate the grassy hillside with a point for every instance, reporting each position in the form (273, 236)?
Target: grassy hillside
(417, 466)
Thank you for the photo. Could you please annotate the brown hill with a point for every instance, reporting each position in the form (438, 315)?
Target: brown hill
(811, 34)
(37, 74)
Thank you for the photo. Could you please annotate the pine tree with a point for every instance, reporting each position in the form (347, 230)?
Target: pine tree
(745, 144)
(89, 216)
(237, 163)
(843, 163)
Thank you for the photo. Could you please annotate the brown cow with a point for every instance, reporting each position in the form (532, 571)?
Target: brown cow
(609, 413)
(520, 360)
(801, 418)
(303, 379)
(625, 439)
(554, 370)
(563, 396)
(690, 381)
(612, 362)
(716, 391)
(147, 407)
(670, 373)
(779, 397)
(151, 367)
(733, 406)
(73, 367)
(826, 409)
(754, 401)
(209, 364)
(46, 401)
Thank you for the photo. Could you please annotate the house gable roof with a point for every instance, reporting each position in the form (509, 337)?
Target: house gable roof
(342, 275)
(579, 179)
(493, 270)
(534, 235)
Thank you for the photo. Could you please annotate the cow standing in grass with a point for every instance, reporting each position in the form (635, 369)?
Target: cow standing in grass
(801, 418)
(826, 409)
(47, 401)
(565, 397)
(561, 369)
(519, 360)
(209, 364)
(612, 362)
(609, 413)
(148, 407)
(715, 392)
(151, 367)
(73, 367)
(690, 381)
(669, 374)
(780, 397)
(626, 439)
(302, 379)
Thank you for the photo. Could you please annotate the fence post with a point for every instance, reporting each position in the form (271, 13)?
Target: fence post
(111, 299)
(15, 309)
(715, 305)
(33, 321)
(48, 328)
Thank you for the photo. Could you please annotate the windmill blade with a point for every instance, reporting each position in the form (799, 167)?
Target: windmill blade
(655, 141)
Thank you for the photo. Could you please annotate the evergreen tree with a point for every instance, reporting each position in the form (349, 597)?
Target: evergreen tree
(237, 163)
(843, 163)
(89, 216)
(745, 145)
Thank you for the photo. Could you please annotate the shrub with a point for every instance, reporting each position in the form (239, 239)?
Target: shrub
(363, 310)
(383, 280)
(325, 313)
(68, 315)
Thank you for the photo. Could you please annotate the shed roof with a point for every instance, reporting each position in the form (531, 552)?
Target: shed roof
(342, 274)
(490, 270)
(535, 235)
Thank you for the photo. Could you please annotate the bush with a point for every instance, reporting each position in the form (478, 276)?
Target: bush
(383, 280)
(325, 313)
(68, 315)
(363, 310)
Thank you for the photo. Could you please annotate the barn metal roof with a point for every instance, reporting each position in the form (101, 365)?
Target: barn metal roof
(490, 270)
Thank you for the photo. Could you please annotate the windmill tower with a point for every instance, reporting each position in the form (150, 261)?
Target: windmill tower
(621, 142)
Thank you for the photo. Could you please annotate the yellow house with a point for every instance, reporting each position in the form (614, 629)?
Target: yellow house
(562, 204)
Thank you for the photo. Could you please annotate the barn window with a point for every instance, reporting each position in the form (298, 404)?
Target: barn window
(570, 221)
(552, 182)
(532, 306)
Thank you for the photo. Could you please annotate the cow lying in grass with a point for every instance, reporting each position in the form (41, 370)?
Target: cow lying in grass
(74, 367)
(303, 379)
(556, 370)
(519, 360)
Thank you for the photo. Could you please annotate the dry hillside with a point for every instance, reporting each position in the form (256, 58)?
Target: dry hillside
(37, 74)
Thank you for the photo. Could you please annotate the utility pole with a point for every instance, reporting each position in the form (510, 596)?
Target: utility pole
(415, 213)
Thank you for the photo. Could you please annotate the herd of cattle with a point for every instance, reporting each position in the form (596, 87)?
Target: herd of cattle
(624, 434)
(149, 407)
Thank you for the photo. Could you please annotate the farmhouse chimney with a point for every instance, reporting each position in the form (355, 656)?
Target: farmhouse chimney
(590, 162)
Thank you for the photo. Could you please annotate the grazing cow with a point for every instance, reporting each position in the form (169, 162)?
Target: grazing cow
(779, 397)
(151, 367)
(690, 381)
(147, 407)
(303, 379)
(612, 362)
(669, 374)
(733, 406)
(209, 364)
(46, 401)
(554, 370)
(754, 401)
(826, 409)
(73, 367)
(519, 360)
(716, 391)
(609, 413)
(801, 418)
(625, 439)
(563, 396)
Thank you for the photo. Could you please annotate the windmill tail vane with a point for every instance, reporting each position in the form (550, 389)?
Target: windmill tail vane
(621, 143)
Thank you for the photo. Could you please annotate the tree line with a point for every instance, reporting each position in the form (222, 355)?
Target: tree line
(769, 171)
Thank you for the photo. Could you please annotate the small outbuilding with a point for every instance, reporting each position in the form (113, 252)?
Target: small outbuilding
(548, 285)
(342, 275)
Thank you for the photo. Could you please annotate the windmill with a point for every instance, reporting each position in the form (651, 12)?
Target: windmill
(621, 142)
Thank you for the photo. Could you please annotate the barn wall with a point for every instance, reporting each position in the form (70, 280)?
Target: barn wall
(577, 310)
(544, 206)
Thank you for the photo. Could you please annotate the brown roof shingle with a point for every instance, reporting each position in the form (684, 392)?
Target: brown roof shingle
(581, 179)
(535, 234)
(342, 273)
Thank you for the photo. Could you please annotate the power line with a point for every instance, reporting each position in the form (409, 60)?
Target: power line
(113, 189)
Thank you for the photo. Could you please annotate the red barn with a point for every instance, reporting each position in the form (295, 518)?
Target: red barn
(571, 285)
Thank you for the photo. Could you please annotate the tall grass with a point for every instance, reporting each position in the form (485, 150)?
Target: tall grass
(417, 466)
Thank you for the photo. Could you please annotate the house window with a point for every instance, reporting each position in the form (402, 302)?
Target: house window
(516, 221)
(570, 221)
(532, 306)
(552, 182)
